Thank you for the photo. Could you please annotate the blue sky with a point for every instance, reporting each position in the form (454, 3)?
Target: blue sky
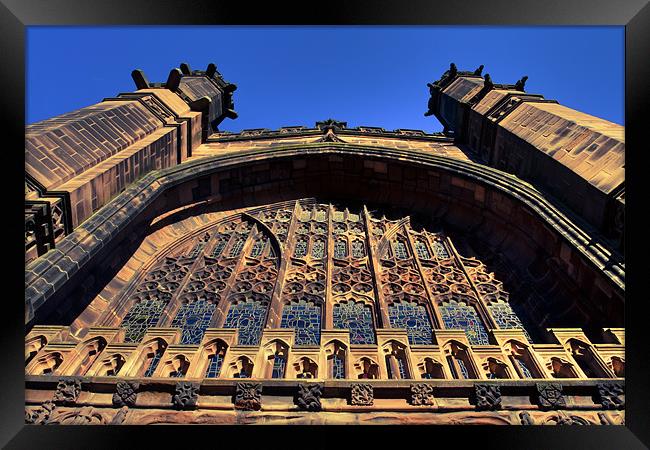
(298, 75)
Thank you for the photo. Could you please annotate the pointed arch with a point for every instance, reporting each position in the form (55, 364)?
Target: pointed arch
(242, 367)
(587, 359)
(336, 353)
(459, 360)
(46, 364)
(32, 346)
(366, 368)
(431, 368)
(397, 361)
(88, 352)
(305, 367)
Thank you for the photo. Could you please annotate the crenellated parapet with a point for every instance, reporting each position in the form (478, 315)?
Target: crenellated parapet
(577, 158)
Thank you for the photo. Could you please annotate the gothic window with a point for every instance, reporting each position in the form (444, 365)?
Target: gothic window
(521, 365)
(215, 360)
(196, 250)
(153, 356)
(396, 364)
(505, 317)
(440, 250)
(305, 318)
(460, 315)
(414, 318)
(357, 318)
(258, 247)
(248, 317)
(584, 355)
(219, 246)
(521, 359)
(279, 366)
(318, 249)
(422, 250)
(340, 248)
(358, 249)
(459, 361)
(237, 246)
(144, 314)
(300, 250)
(400, 250)
(193, 318)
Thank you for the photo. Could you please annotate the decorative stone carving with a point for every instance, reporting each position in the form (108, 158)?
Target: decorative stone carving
(610, 395)
(248, 396)
(67, 391)
(125, 393)
(362, 394)
(308, 397)
(422, 394)
(550, 395)
(488, 396)
(41, 415)
(86, 415)
(525, 419)
(119, 417)
(186, 396)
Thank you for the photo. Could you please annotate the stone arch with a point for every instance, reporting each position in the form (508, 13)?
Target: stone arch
(618, 366)
(110, 366)
(366, 368)
(431, 368)
(561, 368)
(46, 364)
(242, 367)
(176, 367)
(306, 367)
(149, 357)
(336, 353)
(215, 354)
(460, 360)
(88, 351)
(494, 368)
(587, 359)
(32, 346)
(522, 359)
(276, 356)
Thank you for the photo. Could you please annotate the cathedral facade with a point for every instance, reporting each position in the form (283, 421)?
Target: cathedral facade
(176, 273)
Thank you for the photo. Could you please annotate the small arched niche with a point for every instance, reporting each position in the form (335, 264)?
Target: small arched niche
(33, 346)
(150, 357)
(522, 360)
(496, 369)
(336, 359)
(46, 364)
(276, 355)
(561, 368)
(431, 369)
(367, 369)
(242, 367)
(216, 354)
(459, 361)
(587, 360)
(88, 353)
(306, 368)
(110, 366)
(177, 367)
(397, 365)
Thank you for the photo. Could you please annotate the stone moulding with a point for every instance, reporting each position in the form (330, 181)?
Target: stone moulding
(50, 272)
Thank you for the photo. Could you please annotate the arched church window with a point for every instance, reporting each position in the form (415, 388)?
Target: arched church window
(356, 317)
(305, 318)
(144, 314)
(318, 249)
(396, 364)
(193, 318)
(358, 249)
(153, 356)
(219, 246)
(248, 316)
(422, 249)
(440, 249)
(215, 360)
(400, 249)
(414, 318)
(461, 316)
(237, 247)
(505, 317)
(300, 250)
(258, 246)
(336, 360)
(340, 248)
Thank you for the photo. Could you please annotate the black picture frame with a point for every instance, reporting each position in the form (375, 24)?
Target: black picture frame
(15, 15)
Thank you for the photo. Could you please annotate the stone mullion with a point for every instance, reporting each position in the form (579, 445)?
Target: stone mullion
(219, 316)
(380, 302)
(437, 317)
(274, 314)
(329, 302)
(170, 310)
(482, 307)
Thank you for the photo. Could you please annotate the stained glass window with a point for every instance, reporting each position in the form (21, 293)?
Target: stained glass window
(459, 315)
(143, 314)
(305, 318)
(237, 246)
(214, 366)
(338, 216)
(218, 248)
(196, 250)
(338, 366)
(340, 249)
(154, 362)
(505, 317)
(463, 368)
(423, 251)
(414, 318)
(279, 366)
(193, 318)
(400, 250)
(318, 249)
(301, 249)
(258, 247)
(357, 318)
(358, 249)
(321, 215)
(248, 317)
(440, 250)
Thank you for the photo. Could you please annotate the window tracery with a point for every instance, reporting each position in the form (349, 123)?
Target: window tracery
(356, 317)
(414, 318)
(305, 318)
(457, 313)
(215, 360)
